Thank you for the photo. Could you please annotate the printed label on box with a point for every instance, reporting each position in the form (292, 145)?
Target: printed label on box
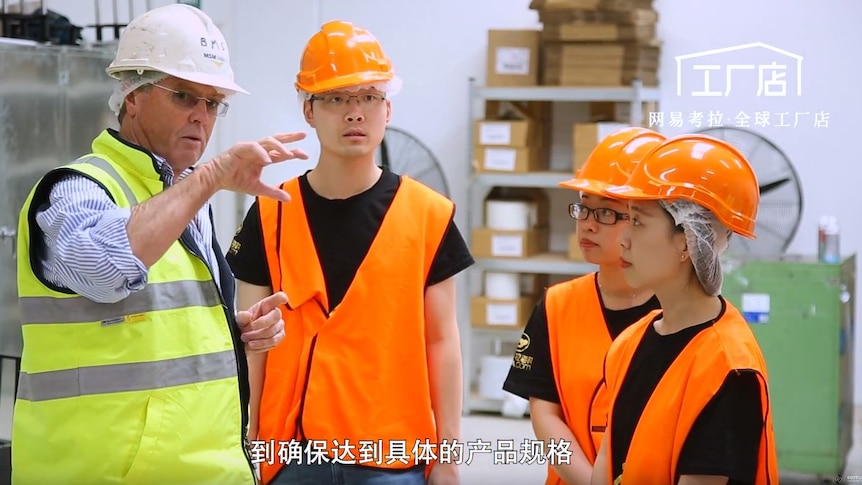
(500, 159)
(755, 307)
(501, 313)
(495, 133)
(513, 61)
(507, 245)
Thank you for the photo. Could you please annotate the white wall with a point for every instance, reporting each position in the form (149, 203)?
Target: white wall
(438, 45)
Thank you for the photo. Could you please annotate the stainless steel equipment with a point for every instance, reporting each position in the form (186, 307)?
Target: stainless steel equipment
(53, 102)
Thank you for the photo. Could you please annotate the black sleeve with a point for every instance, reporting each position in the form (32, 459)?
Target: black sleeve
(247, 255)
(725, 438)
(532, 372)
(453, 256)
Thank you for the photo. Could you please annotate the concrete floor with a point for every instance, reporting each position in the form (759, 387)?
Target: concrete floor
(490, 428)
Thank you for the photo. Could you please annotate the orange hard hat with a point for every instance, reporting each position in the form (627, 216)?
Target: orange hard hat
(700, 169)
(342, 55)
(613, 159)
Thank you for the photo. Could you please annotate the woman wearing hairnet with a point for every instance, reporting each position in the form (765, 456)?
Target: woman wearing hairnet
(687, 383)
(558, 361)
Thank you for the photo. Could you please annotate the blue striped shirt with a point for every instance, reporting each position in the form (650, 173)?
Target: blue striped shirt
(88, 248)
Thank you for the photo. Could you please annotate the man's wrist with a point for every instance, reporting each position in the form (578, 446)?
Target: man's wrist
(207, 175)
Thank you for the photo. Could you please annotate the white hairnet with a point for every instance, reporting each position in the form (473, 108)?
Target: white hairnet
(130, 81)
(390, 87)
(706, 237)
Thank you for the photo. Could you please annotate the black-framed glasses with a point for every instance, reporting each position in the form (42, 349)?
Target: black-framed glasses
(189, 101)
(340, 100)
(602, 215)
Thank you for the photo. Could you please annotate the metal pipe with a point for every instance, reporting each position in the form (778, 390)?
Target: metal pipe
(116, 20)
(131, 10)
(149, 6)
(98, 15)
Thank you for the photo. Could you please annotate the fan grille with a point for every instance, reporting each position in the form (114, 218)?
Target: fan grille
(780, 209)
(404, 154)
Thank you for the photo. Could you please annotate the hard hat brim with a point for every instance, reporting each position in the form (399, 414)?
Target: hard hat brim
(589, 186)
(628, 192)
(739, 225)
(346, 81)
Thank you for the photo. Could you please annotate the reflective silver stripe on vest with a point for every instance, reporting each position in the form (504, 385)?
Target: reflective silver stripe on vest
(112, 172)
(153, 297)
(140, 376)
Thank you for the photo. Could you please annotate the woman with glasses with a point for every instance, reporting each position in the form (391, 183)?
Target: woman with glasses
(572, 327)
(688, 383)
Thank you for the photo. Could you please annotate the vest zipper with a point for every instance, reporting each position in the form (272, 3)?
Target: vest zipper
(239, 354)
(299, 428)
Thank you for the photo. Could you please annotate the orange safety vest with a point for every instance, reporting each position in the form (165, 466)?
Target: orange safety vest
(356, 376)
(686, 388)
(579, 339)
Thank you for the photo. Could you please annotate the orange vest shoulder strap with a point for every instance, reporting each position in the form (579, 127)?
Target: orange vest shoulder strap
(429, 210)
(578, 339)
(288, 244)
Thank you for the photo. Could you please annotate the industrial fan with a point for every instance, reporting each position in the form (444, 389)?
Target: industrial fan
(404, 154)
(780, 210)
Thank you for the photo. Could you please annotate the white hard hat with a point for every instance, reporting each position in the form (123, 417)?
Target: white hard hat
(178, 40)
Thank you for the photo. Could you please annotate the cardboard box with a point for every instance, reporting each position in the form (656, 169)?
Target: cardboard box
(622, 5)
(505, 314)
(642, 15)
(513, 57)
(575, 253)
(538, 111)
(576, 32)
(586, 136)
(600, 63)
(620, 112)
(509, 133)
(488, 243)
(508, 159)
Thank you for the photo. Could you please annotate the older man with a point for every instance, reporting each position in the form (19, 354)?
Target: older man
(134, 363)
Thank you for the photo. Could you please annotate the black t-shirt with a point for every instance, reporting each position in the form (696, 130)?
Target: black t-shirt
(537, 380)
(342, 231)
(725, 438)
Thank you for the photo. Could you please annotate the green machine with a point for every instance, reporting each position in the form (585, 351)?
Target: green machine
(802, 313)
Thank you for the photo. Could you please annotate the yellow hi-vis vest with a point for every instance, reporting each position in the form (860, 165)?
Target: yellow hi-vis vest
(149, 390)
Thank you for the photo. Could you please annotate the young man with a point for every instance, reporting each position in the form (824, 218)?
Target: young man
(371, 370)
(134, 368)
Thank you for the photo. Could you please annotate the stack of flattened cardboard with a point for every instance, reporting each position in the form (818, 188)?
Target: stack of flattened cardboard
(598, 42)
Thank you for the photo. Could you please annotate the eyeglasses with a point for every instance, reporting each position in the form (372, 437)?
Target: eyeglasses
(189, 101)
(605, 216)
(340, 100)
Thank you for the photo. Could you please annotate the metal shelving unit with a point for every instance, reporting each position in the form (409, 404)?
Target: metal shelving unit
(480, 185)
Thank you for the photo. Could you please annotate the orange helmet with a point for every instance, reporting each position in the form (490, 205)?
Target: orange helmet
(701, 169)
(613, 159)
(342, 55)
